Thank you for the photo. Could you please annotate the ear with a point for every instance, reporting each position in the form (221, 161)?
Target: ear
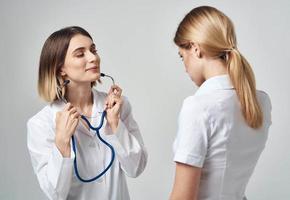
(195, 48)
(62, 72)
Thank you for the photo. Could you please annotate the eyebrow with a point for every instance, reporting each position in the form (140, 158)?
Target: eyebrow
(82, 48)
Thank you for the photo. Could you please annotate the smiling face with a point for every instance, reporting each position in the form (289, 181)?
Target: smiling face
(82, 63)
(193, 64)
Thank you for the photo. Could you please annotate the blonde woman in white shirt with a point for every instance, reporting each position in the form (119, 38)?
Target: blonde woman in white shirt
(224, 126)
(70, 54)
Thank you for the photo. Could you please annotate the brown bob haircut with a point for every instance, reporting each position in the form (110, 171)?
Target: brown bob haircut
(52, 59)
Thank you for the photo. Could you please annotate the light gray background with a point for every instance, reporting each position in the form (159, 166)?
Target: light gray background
(134, 39)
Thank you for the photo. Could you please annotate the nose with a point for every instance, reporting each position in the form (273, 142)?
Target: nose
(92, 57)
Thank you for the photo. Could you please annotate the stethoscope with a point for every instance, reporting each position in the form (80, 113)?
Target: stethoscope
(96, 129)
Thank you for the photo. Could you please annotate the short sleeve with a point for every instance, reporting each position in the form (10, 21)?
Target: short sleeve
(191, 143)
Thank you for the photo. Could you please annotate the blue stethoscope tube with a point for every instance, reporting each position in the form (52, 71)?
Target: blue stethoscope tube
(106, 143)
(97, 133)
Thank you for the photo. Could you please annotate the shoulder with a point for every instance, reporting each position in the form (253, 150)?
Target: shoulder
(40, 127)
(266, 105)
(263, 97)
(193, 110)
(264, 100)
(206, 109)
(201, 104)
(44, 116)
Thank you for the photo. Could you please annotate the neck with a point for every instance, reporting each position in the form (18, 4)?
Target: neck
(79, 95)
(214, 67)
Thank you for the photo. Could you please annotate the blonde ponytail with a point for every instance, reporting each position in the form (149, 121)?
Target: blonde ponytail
(243, 80)
(215, 34)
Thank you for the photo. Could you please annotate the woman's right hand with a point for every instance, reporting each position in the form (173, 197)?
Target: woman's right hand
(66, 123)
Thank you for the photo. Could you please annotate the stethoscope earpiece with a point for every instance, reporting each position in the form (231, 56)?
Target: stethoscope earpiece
(105, 75)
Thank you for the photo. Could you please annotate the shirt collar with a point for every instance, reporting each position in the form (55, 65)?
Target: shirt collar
(221, 82)
(98, 107)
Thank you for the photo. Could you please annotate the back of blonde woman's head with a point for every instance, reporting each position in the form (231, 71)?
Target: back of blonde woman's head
(214, 32)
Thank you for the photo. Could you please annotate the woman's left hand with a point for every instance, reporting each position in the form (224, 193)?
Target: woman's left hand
(113, 105)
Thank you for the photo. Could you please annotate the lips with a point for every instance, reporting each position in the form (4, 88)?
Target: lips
(92, 68)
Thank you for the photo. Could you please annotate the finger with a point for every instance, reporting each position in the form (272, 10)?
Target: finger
(75, 122)
(115, 87)
(115, 100)
(72, 110)
(68, 114)
(112, 100)
(112, 90)
(74, 125)
(106, 107)
(72, 118)
(116, 90)
(75, 115)
(67, 106)
(106, 103)
(120, 90)
(108, 99)
(119, 101)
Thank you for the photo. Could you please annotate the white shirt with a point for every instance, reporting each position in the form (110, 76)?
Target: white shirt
(214, 136)
(56, 174)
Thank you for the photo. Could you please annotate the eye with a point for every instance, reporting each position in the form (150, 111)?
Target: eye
(80, 54)
(94, 51)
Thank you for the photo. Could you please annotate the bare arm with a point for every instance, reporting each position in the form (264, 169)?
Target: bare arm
(186, 183)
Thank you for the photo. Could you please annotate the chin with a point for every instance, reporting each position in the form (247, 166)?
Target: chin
(93, 78)
(97, 76)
